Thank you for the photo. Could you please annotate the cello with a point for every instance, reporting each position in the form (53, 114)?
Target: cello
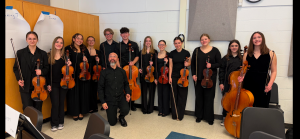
(97, 69)
(207, 73)
(67, 82)
(39, 93)
(132, 74)
(149, 77)
(235, 100)
(84, 66)
(163, 78)
(183, 81)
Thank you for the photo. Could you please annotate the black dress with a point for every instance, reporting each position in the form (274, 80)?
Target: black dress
(145, 86)
(255, 79)
(78, 96)
(93, 85)
(204, 104)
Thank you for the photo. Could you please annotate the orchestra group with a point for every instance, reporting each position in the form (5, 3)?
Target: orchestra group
(80, 74)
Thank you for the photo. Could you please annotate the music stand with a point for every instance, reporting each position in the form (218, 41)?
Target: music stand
(24, 124)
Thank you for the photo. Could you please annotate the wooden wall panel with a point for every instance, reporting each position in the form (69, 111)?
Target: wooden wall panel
(69, 18)
(16, 5)
(32, 12)
(96, 32)
(83, 26)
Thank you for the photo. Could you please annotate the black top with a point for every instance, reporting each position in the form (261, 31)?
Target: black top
(160, 64)
(125, 52)
(92, 62)
(27, 62)
(56, 73)
(214, 60)
(228, 66)
(178, 59)
(146, 59)
(112, 84)
(108, 49)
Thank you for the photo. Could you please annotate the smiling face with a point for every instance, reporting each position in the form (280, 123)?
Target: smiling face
(162, 46)
(78, 40)
(108, 35)
(177, 44)
(91, 41)
(204, 40)
(148, 42)
(234, 47)
(125, 35)
(257, 39)
(59, 44)
(31, 40)
(112, 58)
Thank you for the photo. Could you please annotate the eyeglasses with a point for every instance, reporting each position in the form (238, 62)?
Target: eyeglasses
(108, 34)
(161, 45)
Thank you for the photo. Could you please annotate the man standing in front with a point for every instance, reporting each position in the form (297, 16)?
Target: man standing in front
(112, 82)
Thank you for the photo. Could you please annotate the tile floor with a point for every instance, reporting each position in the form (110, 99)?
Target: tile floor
(142, 126)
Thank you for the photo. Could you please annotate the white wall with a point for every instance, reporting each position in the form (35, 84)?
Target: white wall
(160, 20)
(65, 4)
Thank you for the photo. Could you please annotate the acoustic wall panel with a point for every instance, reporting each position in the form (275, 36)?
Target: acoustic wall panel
(217, 18)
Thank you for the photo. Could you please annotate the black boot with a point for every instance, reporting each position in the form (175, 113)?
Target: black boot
(123, 122)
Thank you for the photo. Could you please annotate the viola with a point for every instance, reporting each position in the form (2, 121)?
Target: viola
(84, 66)
(39, 92)
(207, 73)
(149, 77)
(235, 100)
(67, 82)
(183, 81)
(132, 74)
(163, 78)
(97, 69)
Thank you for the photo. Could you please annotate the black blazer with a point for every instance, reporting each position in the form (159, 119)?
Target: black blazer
(25, 62)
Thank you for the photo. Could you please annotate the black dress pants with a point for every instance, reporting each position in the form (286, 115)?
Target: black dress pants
(93, 105)
(147, 107)
(28, 101)
(204, 105)
(180, 95)
(112, 111)
(163, 95)
(57, 96)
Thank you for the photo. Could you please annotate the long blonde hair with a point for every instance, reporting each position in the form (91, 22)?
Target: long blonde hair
(51, 54)
(144, 51)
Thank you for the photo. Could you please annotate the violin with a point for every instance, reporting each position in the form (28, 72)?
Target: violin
(163, 78)
(207, 73)
(183, 81)
(97, 69)
(67, 82)
(84, 66)
(149, 76)
(235, 100)
(132, 74)
(39, 92)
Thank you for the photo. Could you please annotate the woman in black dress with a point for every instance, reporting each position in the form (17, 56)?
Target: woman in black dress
(176, 63)
(57, 60)
(146, 85)
(229, 63)
(204, 104)
(93, 83)
(78, 96)
(163, 90)
(257, 79)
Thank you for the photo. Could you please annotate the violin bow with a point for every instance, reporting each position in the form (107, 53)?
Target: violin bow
(196, 66)
(51, 66)
(174, 102)
(20, 72)
(269, 69)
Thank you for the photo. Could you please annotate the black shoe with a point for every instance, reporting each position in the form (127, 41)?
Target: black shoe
(75, 119)
(133, 108)
(149, 112)
(159, 114)
(211, 122)
(123, 122)
(144, 112)
(163, 115)
(198, 120)
(80, 118)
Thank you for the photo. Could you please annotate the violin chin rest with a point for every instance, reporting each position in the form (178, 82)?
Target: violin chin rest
(36, 99)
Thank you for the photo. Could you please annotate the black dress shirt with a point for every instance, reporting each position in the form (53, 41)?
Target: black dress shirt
(125, 52)
(112, 84)
(104, 46)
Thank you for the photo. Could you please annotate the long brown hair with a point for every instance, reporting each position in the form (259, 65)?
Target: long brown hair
(82, 46)
(51, 54)
(263, 47)
(229, 53)
(144, 51)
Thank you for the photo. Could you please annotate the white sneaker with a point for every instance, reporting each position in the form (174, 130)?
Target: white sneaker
(53, 128)
(60, 126)
(222, 123)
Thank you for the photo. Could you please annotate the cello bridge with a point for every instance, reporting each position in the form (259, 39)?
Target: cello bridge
(234, 115)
